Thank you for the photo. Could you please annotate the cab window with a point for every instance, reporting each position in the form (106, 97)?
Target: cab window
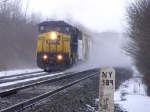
(42, 29)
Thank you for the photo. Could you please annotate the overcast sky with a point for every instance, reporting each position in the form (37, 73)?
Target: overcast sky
(98, 15)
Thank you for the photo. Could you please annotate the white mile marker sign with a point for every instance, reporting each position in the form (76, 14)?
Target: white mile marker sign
(106, 90)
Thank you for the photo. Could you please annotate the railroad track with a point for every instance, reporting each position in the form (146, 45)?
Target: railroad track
(23, 74)
(69, 80)
(22, 78)
(12, 78)
(14, 90)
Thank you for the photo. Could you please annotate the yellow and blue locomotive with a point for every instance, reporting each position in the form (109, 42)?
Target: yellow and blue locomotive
(59, 45)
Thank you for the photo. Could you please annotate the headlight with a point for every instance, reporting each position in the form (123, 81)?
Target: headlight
(53, 36)
(59, 57)
(45, 57)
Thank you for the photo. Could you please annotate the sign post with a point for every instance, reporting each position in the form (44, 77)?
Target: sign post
(106, 90)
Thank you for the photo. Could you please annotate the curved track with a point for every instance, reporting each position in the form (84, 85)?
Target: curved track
(31, 101)
(14, 90)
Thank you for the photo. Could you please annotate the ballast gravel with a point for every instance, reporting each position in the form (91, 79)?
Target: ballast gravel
(82, 97)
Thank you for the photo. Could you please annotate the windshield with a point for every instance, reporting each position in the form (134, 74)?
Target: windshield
(44, 29)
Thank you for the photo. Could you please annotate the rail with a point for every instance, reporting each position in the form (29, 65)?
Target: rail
(30, 102)
(3, 77)
(14, 90)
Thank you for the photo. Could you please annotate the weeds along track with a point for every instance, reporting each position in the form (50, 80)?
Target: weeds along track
(39, 91)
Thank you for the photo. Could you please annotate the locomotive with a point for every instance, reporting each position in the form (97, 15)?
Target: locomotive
(60, 45)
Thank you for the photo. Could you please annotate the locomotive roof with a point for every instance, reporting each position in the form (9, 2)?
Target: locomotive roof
(54, 23)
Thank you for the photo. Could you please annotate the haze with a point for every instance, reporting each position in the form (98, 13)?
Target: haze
(97, 15)
(102, 19)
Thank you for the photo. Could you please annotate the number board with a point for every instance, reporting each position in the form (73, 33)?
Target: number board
(106, 89)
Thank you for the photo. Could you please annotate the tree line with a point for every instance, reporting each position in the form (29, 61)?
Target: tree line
(18, 32)
(138, 33)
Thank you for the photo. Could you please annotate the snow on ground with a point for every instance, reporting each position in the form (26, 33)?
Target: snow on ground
(131, 95)
(26, 80)
(14, 72)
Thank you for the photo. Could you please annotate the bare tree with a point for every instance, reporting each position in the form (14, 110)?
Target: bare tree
(138, 47)
(18, 32)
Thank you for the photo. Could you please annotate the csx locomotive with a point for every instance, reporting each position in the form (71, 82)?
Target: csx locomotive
(60, 45)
